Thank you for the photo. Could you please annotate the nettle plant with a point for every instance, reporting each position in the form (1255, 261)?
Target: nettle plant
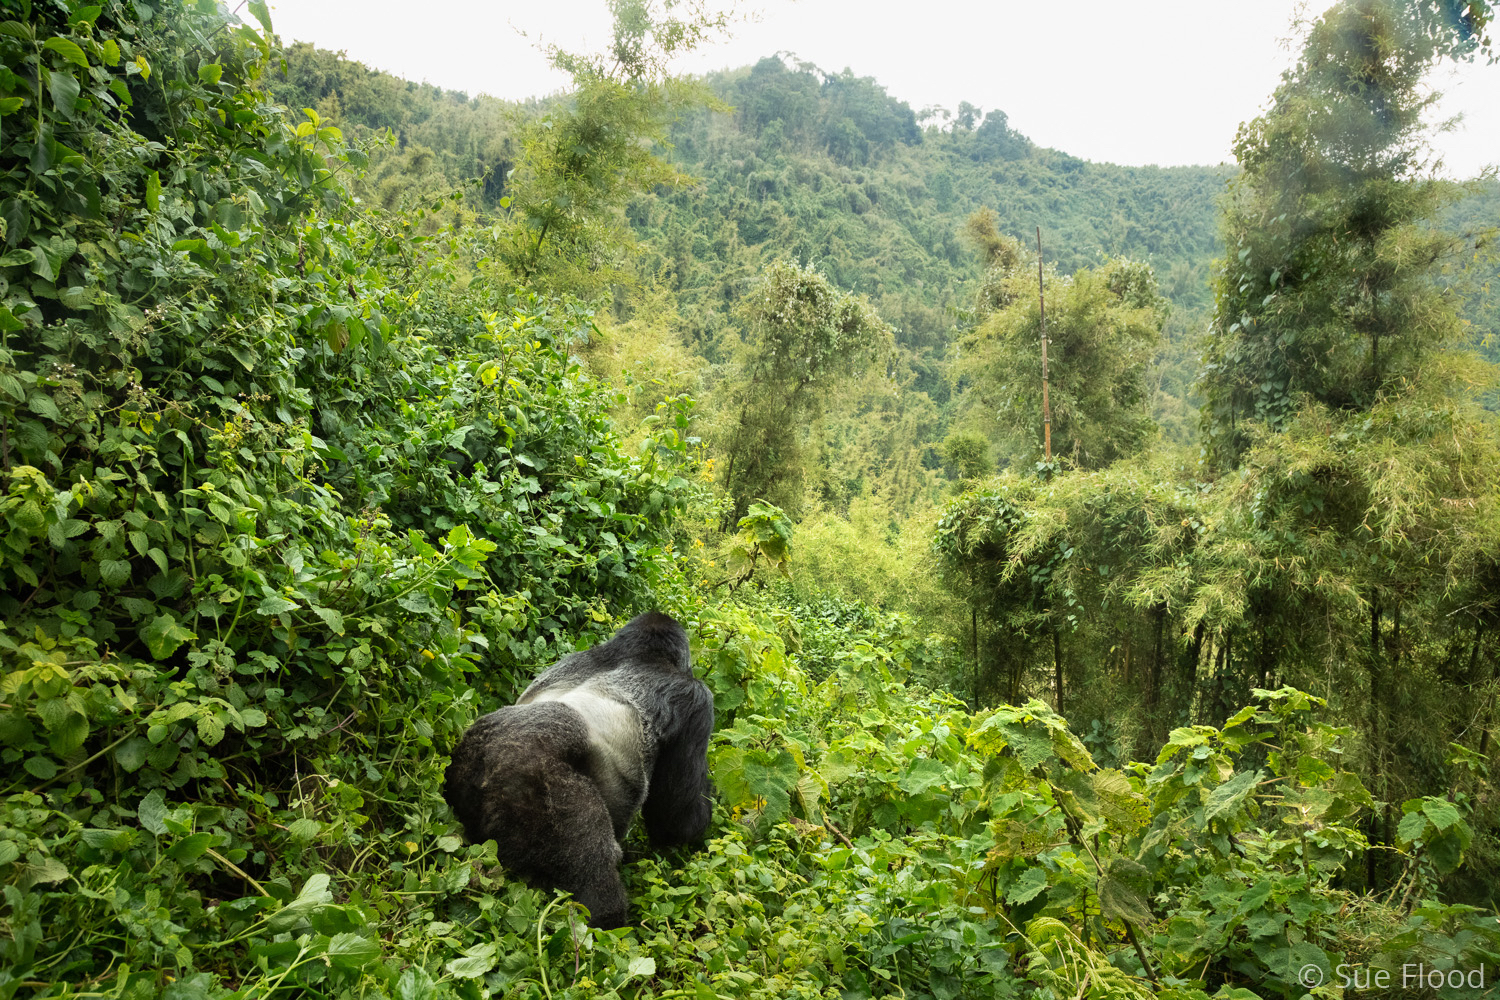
(1215, 868)
(258, 501)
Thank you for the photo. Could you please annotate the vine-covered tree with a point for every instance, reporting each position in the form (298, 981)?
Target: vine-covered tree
(803, 335)
(1103, 328)
(1326, 288)
(1359, 544)
(583, 160)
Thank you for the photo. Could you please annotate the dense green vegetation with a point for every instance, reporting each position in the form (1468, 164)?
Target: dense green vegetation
(830, 170)
(316, 443)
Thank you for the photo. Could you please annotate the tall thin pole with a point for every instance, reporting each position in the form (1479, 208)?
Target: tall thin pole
(1041, 296)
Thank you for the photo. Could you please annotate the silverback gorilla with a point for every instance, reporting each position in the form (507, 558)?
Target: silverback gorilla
(556, 778)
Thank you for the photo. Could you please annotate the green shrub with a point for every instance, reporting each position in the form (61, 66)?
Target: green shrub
(266, 512)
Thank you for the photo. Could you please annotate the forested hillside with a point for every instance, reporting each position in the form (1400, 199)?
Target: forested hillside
(334, 408)
(830, 169)
(826, 169)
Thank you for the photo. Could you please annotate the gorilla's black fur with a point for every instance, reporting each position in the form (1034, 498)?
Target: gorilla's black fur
(556, 778)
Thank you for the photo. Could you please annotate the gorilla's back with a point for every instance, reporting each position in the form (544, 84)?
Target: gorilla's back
(616, 743)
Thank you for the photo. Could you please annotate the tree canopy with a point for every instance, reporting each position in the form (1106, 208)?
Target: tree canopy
(316, 442)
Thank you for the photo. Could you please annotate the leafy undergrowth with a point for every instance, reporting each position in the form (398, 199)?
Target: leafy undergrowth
(871, 838)
(289, 496)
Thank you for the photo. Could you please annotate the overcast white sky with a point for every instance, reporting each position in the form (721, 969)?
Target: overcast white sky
(1121, 81)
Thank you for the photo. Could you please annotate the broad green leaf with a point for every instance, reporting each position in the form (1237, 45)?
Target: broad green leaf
(244, 355)
(728, 765)
(417, 602)
(1070, 750)
(558, 943)
(924, 774)
(42, 264)
(1447, 849)
(262, 13)
(1442, 813)
(313, 896)
(60, 531)
(114, 572)
(316, 888)
(210, 728)
(195, 987)
(152, 812)
(415, 983)
(1231, 794)
(15, 728)
(110, 840)
(1412, 825)
(641, 965)
(275, 604)
(131, 754)
(1031, 746)
(163, 635)
(1186, 736)
(47, 871)
(772, 781)
(153, 190)
(1119, 803)
(1124, 890)
(1032, 881)
(838, 766)
(64, 89)
(76, 297)
(192, 847)
(68, 50)
(352, 951)
(210, 73)
(810, 790)
(1241, 717)
(331, 618)
(275, 952)
(1301, 955)
(69, 735)
(43, 406)
(198, 248)
(304, 831)
(474, 962)
(54, 712)
(62, 249)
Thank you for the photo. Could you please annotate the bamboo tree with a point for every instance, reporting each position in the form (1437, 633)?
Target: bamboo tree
(1325, 291)
(804, 336)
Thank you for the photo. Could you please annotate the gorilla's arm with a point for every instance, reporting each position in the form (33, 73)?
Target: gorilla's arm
(677, 806)
(519, 777)
(579, 854)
